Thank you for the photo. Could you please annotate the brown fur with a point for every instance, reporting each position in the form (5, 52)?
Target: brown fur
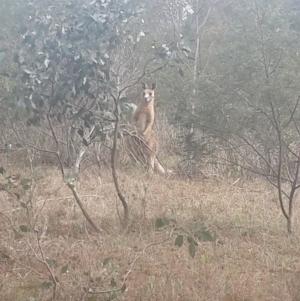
(143, 117)
(144, 147)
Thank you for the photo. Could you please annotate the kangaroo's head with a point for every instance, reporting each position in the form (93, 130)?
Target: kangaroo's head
(148, 92)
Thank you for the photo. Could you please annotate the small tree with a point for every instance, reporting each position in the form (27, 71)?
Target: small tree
(270, 148)
(75, 62)
(247, 113)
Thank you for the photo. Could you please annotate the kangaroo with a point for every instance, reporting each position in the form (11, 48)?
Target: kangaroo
(143, 117)
(144, 147)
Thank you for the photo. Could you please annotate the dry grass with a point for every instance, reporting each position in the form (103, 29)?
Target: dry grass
(252, 258)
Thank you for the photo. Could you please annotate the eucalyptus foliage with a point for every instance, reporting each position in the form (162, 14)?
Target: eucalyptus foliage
(68, 62)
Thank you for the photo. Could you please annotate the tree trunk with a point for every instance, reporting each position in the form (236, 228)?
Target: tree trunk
(113, 165)
(290, 224)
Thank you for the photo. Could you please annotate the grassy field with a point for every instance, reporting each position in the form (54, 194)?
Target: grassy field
(251, 259)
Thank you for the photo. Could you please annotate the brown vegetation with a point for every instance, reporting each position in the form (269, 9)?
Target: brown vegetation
(252, 258)
(227, 122)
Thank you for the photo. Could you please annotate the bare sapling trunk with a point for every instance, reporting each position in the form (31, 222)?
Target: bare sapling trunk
(294, 188)
(72, 187)
(70, 181)
(84, 212)
(279, 158)
(293, 180)
(113, 164)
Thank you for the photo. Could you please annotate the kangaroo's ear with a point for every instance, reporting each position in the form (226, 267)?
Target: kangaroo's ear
(153, 86)
(144, 85)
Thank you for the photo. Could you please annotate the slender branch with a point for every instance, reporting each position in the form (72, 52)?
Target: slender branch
(205, 19)
(257, 152)
(292, 112)
(293, 189)
(144, 74)
(145, 144)
(43, 260)
(113, 165)
(133, 264)
(24, 265)
(41, 150)
(57, 153)
(279, 169)
(78, 200)
(278, 62)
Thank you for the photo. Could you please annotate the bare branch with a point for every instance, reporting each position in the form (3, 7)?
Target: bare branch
(95, 292)
(133, 135)
(279, 168)
(57, 155)
(292, 113)
(113, 166)
(78, 200)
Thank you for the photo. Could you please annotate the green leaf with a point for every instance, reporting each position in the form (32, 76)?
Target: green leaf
(27, 71)
(21, 104)
(27, 38)
(65, 49)
(16, 58)
(190, 240)
(123, 288)
(186, 49)
(70, 6)
(26, 187)
(25, 182)
(2, 56)
(64, 269)
(4, 74)
(106, 261)
(179, 240)
(112, 85)
(52, 263)
(192, 250)
(45, 285)
(113, 283)
(97, 132)
(131, 106)
(205, 235)
(166, 221)
(17, 195)
(21, 59)
(124, 100)
(80, 132)
(81, 23)
(79, 113)
(160, 55)
(180, 72)
(85, 142)
(3, 255)
(23, 29)
(44, 93)
(24, 228)
(159, 223)
(33, 105)
(112, 296)
(47, 74)
(203, 232)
